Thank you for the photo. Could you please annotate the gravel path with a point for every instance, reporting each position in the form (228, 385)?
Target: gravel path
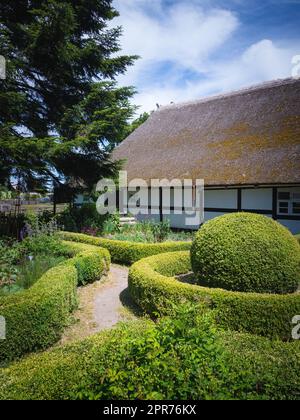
(101, 305)
(107, 301)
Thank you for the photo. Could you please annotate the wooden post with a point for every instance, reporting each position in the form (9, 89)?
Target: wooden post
(161, 217)
(274, 203)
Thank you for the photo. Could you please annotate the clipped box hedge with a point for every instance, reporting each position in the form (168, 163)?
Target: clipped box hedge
(257, 368)
(155, 289)
(91, 262)
(125, 252)
(36, 317)
(246, 252)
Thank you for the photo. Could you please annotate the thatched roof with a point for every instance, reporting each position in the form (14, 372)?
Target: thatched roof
(249, 137)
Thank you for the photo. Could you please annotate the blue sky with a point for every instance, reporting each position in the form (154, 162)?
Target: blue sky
(197, 48)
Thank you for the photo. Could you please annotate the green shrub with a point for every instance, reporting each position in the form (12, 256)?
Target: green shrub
(180, 358)
(123, 252)
(247, 253)
(260, 368)
(154, 288)
(41, 237)
(298, 237)
(111, 225)
(36, 317)
(76, 219)
(145, 232)
(43, 244)
(9, 257)
(90, 261)
(40, 224)
(161, 230)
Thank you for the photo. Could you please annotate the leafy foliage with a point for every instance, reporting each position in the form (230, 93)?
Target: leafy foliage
(9, 256)
(61, 111)
(145, 232)
(28, 272)
(112, 225)
(137, 122)
(185, 357)
(22, 263)
(83, 219)
(160, 230)
(41, 238)
(180, 358)
(246, 252)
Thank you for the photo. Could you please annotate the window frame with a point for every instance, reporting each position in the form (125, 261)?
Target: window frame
(289, 204)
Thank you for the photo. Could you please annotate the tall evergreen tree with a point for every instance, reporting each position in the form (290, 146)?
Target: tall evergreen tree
(136, 123)
(60, 108)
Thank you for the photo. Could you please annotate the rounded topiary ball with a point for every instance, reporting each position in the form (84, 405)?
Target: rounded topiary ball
(246, 252)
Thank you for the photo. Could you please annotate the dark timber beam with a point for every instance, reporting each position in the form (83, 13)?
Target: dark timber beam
(274, 203)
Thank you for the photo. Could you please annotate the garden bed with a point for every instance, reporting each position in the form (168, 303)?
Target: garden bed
(27, 272)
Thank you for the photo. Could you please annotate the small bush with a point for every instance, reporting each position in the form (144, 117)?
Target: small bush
(111, 225)
(9, 256)
(91, 262)
(161, 230)
(180, 358)
(246, 252)
(125, 252)
(43, 245)
(41, 238)
(77, 219)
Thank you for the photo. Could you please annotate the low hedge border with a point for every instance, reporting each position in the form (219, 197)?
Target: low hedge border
(91, 262)
(124, 252)
(154, 288)
(35, 318)
(259, 368)
(298, 238)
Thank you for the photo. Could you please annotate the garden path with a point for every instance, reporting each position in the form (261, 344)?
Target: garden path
(108, 306)
(101, 305)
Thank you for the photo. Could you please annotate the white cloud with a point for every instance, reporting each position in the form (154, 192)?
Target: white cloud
(261, 62)
(185, 37)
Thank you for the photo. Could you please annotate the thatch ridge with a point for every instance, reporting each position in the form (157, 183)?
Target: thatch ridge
(251, 136)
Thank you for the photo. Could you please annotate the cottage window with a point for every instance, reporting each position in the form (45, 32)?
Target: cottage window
(284, 207)
(289, 203)
(284, 195)
(296, 207)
